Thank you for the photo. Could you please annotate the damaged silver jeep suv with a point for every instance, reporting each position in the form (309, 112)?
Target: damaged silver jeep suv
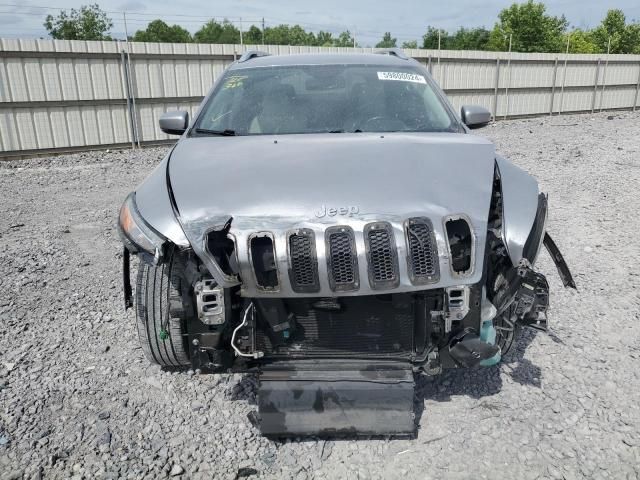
(331, 224)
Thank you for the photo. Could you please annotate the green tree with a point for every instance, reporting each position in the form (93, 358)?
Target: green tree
(625, 38)
(469, 39)
(387, 41)
(253, 36)
(214, 32)
(344, 40)
(88, 23)
(158, 31)
(581, 41)
(530, 27)
(324, 39)
(410, 44)
(430, 39)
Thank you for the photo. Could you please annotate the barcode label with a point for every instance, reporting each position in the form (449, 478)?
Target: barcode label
(402, 77)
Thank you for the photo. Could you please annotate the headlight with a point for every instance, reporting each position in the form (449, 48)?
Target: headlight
(136, 233)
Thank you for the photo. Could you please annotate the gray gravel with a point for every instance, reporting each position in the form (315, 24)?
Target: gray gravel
(77, 398)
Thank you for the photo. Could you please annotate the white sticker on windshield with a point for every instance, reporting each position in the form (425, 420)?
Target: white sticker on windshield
(402, 77)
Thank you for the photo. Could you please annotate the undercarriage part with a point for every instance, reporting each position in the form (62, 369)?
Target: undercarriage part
(334, 398)
(468, 350)
(263, 260)
(558, 260)
(460, 241)
(210, 302)
(457, 299)
(379, 326)
(245, 322)
(275, 320)
(488, 331)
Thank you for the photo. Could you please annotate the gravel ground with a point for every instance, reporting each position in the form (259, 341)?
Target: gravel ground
(77, 398)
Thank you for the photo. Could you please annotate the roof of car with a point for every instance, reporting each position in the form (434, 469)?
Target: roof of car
(323, 59)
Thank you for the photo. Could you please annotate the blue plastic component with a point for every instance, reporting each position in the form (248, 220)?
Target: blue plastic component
(488, 334)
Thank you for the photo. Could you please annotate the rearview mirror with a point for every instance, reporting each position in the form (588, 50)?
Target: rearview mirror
(174, 123)
(475, 116)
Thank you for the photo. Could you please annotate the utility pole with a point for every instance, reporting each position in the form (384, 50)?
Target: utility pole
(241, 42)
(263, 30)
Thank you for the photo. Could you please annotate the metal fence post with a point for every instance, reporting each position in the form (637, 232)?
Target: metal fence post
(495, 91)
(506, 90)
(125, 81)
(604, 74)
(595, 87)
(553, 85)
(635, 101)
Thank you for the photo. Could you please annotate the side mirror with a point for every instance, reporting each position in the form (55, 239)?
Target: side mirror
(174, 123)
(475, 116)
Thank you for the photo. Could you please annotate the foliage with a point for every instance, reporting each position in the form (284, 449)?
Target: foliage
(253, 36)
(387, 41)
(528, 24)
(410, 44)
(214, 32)
(345, 40)
(530, 28)
(430, 38)
(625, 38)
(581, 41)
(158, 31)
(88, 23)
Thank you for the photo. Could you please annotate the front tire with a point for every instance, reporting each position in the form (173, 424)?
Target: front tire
(162, 311)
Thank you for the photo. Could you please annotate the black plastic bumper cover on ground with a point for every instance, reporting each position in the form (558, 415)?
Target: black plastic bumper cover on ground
(329, 400)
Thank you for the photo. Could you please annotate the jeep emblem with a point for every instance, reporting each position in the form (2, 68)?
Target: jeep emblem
(325, 211)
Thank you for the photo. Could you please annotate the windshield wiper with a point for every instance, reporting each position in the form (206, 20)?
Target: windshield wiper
(223, 133)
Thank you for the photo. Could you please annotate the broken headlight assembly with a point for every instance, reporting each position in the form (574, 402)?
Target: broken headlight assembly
(136, 234)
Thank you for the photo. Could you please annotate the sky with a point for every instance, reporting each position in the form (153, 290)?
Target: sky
(367, 19)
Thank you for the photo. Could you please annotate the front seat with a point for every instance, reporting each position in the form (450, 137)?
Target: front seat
(278, 113)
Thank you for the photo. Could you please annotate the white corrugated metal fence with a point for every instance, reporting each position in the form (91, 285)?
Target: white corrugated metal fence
(65, 95)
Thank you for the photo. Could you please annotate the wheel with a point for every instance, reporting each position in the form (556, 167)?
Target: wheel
(506, 330)
(162, 310)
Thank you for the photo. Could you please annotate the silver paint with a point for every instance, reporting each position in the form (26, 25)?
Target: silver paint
(277, 187)
(475, 116)
(152, 199)
(174, 122)
(520, 204)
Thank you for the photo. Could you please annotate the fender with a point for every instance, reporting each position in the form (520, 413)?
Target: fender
(154, 204)
(519, 207)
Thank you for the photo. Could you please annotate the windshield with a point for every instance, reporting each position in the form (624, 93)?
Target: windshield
(324, 98)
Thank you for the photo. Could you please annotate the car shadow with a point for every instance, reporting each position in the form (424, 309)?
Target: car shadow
(482, 381)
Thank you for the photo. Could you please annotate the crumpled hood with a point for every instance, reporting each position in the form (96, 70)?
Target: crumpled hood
(298, 176)
(278, 184)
